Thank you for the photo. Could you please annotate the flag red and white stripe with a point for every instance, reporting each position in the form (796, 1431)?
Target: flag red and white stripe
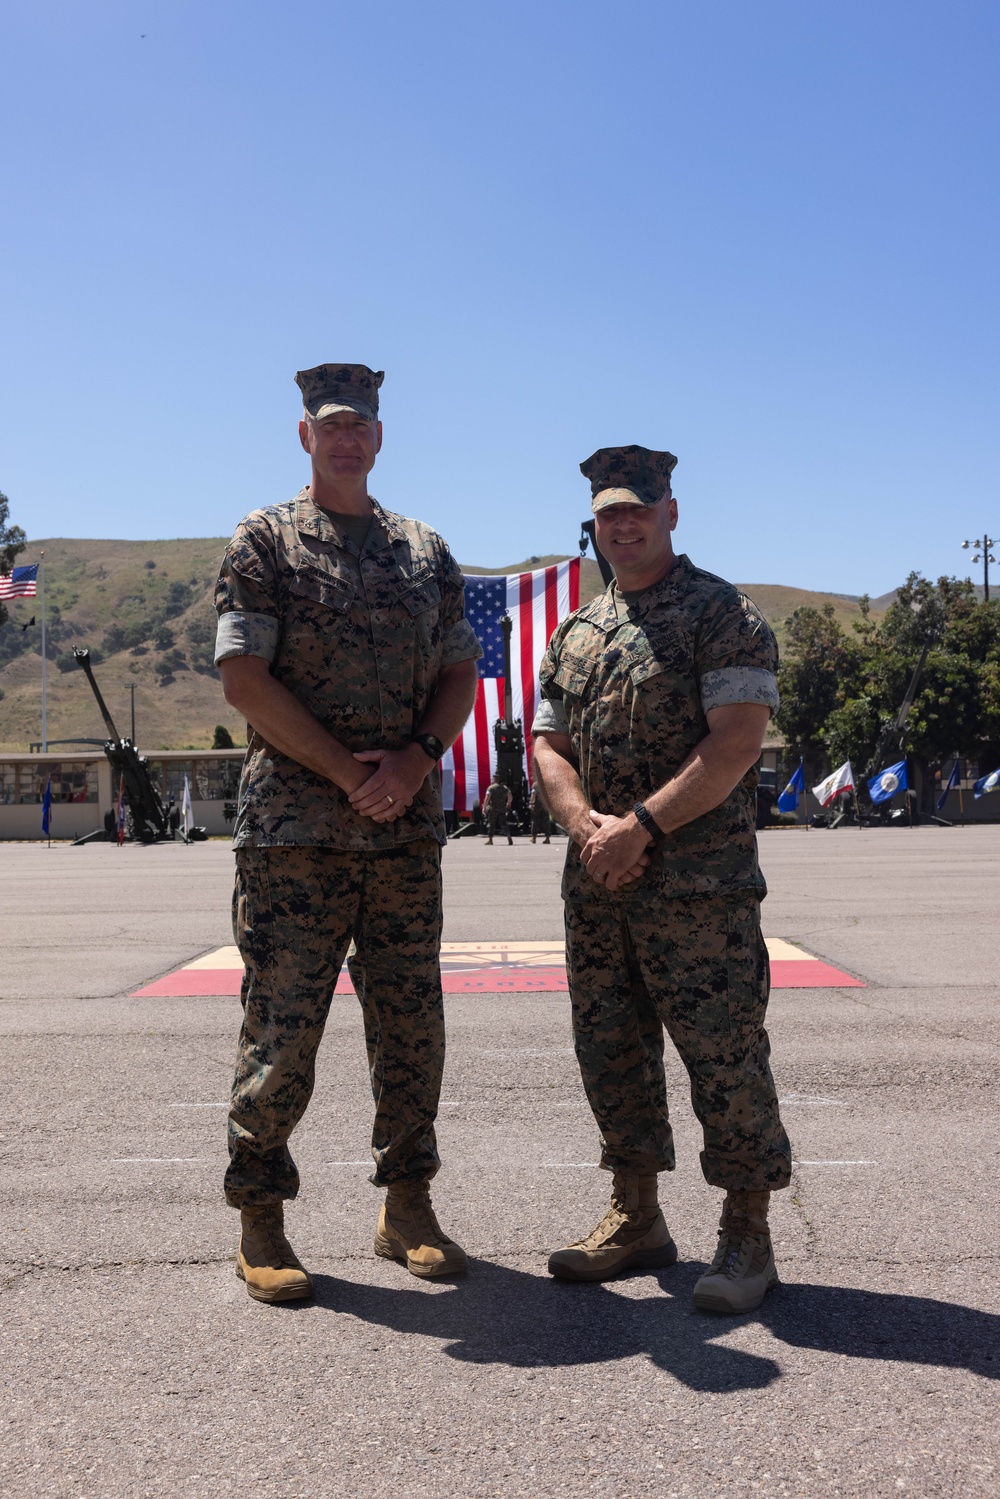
(21, 583)
(840, 780)
(536, 602)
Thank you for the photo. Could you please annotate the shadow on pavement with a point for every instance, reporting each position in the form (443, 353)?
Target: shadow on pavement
(505, 1316)
(878, 1324)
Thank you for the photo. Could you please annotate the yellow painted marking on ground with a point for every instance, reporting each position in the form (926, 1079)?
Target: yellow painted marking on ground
(780, 951)
(223, 957)
(486, 954)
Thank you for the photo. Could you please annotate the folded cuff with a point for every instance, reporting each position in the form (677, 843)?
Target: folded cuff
(739, 684)
(460, 644)
(550, 718)
(243, 634)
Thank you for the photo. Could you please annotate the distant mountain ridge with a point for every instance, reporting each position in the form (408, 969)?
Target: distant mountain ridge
(144, 608)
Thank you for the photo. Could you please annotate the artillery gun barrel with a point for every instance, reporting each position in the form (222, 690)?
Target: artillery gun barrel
(149, 820)
(507, 626)
(82, 656)
(508, 737)
(896, 728)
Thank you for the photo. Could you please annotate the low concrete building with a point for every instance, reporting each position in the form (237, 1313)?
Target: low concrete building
(83, 789)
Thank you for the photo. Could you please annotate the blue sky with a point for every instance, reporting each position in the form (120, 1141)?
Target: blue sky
(763, 236)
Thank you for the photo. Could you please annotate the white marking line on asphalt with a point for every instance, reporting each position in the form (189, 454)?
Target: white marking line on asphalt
(828, 1103)
(369, 1162)
(835, 1163)
(155, 1160)
(199, 1105)
(566, 1165)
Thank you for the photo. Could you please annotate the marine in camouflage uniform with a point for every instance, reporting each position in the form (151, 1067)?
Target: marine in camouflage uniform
(541, 822)
(496, 805)
(360, 617)
(628, 685)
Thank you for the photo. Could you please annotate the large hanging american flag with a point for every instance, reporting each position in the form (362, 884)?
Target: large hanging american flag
(19, 584)
(536, 602)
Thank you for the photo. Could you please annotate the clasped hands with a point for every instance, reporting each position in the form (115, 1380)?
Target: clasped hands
(393, 781)
(615, 851)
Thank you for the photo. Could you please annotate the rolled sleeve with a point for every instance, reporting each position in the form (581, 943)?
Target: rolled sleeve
(550, 718)
(460, 643)
(736, 658)
(241, 633)
(739, 684)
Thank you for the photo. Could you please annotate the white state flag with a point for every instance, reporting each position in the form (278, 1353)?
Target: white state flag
(840, 780)
(187, 811)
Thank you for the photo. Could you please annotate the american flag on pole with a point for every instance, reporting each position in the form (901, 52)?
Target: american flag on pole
(536, 602)
(22, 583)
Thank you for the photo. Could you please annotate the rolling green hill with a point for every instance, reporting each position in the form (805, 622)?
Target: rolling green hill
(144, 608)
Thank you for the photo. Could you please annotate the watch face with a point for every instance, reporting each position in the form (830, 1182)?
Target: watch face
(432, 745)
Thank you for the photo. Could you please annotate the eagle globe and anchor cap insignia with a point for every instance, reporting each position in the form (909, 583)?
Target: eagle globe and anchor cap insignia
(329, 388)
(627, 476)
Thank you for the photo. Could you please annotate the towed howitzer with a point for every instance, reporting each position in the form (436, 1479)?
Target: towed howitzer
(508, 737)
(146, 811)
(896, 730)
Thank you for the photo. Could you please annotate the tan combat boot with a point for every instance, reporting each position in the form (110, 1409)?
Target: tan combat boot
(743, 1270)
(409, 1232)
(266, 1260)
(632, 1235)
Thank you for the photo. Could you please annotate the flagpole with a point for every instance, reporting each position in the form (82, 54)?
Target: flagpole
(45, 737)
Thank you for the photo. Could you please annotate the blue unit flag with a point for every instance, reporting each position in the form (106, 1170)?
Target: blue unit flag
(47, 808)
(885, 785)
(788, 801)
(953, 781)
(986, 783)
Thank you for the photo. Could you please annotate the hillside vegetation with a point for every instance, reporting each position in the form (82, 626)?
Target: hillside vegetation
(144, 609)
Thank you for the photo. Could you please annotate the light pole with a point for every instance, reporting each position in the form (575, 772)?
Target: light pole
(983, 545)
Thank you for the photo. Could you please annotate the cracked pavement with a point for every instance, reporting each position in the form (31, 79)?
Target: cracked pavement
(135, 1365)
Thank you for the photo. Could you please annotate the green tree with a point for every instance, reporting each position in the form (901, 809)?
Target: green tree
(819, 668)
(12, 542)
(223, 739)
(840, 692)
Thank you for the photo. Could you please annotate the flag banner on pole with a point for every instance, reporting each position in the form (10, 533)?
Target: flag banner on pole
(953, 781)
(788, 801)
(883, 787)
(22, 583)
(47, 808)
(187, 811)
(120, 812)
(986, 783)
(536, 602)
(840, 780)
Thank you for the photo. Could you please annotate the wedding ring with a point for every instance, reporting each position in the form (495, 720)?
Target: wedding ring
(389, 799)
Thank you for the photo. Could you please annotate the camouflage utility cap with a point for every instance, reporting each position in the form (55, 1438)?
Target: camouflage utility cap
(330, 388)
(627, 476)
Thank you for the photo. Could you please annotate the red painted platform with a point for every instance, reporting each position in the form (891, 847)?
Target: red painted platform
(487, 968)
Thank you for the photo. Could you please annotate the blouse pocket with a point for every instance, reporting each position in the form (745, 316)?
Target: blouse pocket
(421, 593)
(573, 675)
(321, 587)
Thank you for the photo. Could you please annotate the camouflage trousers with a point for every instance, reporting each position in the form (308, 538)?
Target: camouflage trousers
(699, 968)
(496, 819)
(295, 911)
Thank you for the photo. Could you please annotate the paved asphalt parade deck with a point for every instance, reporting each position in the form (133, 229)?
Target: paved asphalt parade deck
(134, 1364)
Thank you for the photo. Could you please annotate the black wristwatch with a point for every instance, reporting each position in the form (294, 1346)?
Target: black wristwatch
(430, 744)
(647, 821)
